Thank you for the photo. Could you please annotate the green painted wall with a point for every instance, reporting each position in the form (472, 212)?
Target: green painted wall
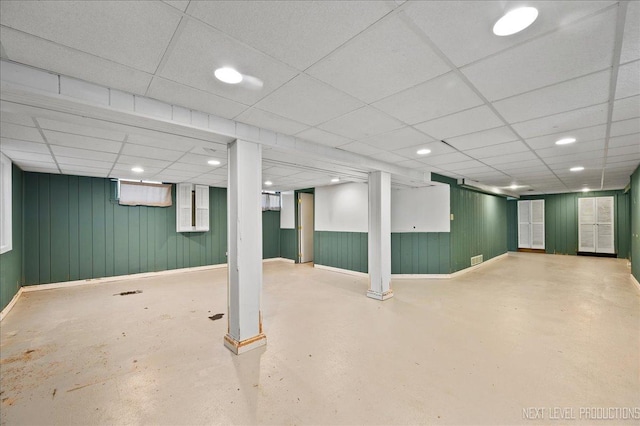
(634, 234)
(478, 226)
(11, 261)
(270, 234)
(420, 253)
(512, 225)
(344, 250)
(288, 243)
(561, 221)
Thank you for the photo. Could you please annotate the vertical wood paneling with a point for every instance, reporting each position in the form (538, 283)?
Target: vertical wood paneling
(60, 228)
(44, 224)
(99, 198)
(634, 211)
(344, 250)
(109, 228)
(74, 228)
(85, 227)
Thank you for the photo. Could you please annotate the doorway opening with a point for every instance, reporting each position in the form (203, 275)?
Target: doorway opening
(305, 225)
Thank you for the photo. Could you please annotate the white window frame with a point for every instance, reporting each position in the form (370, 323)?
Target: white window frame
(6, 214)
(184, 207)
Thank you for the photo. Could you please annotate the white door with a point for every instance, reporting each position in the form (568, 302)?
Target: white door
(524, 224)
(604, 225)
(305, 227)
(537, 224)
(595, 225)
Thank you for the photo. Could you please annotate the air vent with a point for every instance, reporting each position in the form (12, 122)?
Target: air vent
(476, 260)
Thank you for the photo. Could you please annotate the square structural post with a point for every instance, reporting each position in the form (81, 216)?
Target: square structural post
(244, 223)
(380, 236)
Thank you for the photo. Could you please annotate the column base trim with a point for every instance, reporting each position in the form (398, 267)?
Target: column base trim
(245, 345)
(380, 296)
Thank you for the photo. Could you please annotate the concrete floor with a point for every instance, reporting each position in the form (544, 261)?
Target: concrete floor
(526, 331)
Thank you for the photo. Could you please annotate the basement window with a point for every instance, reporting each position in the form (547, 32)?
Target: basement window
(6, 239)
(141, 193)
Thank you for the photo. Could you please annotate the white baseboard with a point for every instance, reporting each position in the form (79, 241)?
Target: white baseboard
(420, 276)
(342, 271)
(279, 259)
(635, 281)
(7, 308)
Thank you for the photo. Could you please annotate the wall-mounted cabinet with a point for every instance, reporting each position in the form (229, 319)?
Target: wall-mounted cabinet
(596, 225)
(192, 208)
(531, 224)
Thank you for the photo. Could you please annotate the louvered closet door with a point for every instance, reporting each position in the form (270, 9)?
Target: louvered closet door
(587, 224)
(183, 208)
(202, 208)
(604, 225)
(537, 224)
(524, 224)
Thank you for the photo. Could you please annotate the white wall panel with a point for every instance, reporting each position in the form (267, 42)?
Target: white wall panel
(420, 209)
(287, 210)
(342, 208)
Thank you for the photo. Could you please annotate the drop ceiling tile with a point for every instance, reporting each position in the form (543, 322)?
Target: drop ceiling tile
(628, 80)
(578, 93)
(484, 138)
(31, 50)
(499, 149)
(199, 50)
(625, 127)
(521, 165)
(386, 59)
(28, 156)
(82, 142)
(17, 145)
(78, 129)
(585, 134)
(576, 50)
(192, 168)
(199, 160)
(388, 157)
(145, 152)
(436, 148)
(438, 97)
(626, 108)
(616, 142)
(621, 163)
(267, 120)
(298, 33)
(630, 46)
(27, 167)
(181, 5)
(398, 139)
(566, 121)
(135, 34)
(572, 149)
(85, 171)
(72, 162)
(360, 148)
(631, 150)
(179, 175)
(308, 101)
(510, 158)
(144, 162)
(461, 123)
(462, 30)
(189, 97)
(443, 159)
(410, 164)
(595, 155)
(468, 166)
(163, 140)
(14, 131)
(65, 151)
(322, 137)
(362, 123)
(19, 119)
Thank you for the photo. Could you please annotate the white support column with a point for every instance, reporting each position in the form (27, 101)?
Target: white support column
(379, 236)
(244, 260)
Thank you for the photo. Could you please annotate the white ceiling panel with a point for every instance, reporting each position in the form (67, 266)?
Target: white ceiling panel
(78, 129)
(391, 157)
(381, 61)
(17, 145)
(626, 108)
(462, 29)
(578, 93)
(630, 45)
(574, 148)
(267, 120)
(581, 135)
(308, 101)
(29, 166)
(591, 156)
(191, 168)
(567, 121)
(199, 100)
(461, 123)
(199, 50)
(360, 148)
(165, 141)
(322, 137)
(145, 152)
(522, 165)
(362, 123)
(298, 33)
(510, 158)
(32, 156)
(633, 139)
(199, 160)
(398, 139)
(84, 171)
(631, 151)
(575, 50)
(499, 149)
(438, 97)
(628, 80)
(21, 120)
(181, 5)
(625, 127)
(65, 151)
(469, 166)
(144, 162)
(484, 138)
(442, 160)
(72, 161)
(437, 148)
(14, 131)
(82, 142)
(130, 33)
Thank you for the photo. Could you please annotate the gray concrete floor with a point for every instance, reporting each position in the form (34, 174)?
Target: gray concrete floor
(526, 331)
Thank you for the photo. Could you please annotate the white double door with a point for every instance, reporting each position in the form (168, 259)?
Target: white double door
(596, 225)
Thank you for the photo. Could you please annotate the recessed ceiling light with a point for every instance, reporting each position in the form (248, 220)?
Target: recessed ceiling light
(514, 186)
(515, 21)
(334, 180)
(423, 151)
(137, 169)
(268, 183)
(213, 162)
(565, 141)
(585, 189)
(576, 169)
(228, 75)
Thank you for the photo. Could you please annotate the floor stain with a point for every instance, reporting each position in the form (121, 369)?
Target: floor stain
(216, 317)
(126, 293)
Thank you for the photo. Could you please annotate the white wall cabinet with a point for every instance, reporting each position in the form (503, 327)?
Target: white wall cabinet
(192, 208)
(531, 224)
(596, 225)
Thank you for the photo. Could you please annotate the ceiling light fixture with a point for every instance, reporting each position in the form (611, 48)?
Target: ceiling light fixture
(137, 169)
(213, 162)
(585, 189)
(565, 141)
(576, 169)
(268, 183)
(515, 21)
(514, 186)
(423, 151)
(228, 75)
(335, 180)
